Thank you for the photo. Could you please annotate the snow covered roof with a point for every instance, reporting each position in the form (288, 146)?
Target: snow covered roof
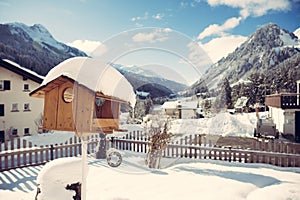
(95, 75)
(183, 104)
(14, 67)
(241, 102)
(142, 93)
(170, 105)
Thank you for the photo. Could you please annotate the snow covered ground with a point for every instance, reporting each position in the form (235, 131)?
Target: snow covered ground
(225, 124)
(182, 179)
(178, 179)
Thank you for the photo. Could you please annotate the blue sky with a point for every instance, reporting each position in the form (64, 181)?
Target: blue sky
(219, 25)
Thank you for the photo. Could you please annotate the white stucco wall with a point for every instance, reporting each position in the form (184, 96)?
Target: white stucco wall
(284, 120)
(188, 114)
(20, 119)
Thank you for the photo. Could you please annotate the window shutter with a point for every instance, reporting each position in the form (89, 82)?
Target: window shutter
(6, 85)
(1, 109)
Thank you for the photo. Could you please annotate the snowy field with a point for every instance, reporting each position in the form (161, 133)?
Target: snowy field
(179, 179)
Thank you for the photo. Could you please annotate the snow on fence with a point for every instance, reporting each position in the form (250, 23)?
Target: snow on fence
(21, 153)
(271, 152)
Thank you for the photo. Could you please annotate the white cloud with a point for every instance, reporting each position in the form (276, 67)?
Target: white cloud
(219, 30)
(183, 4)
(221, 47)
(139, 25)
(254, 7)
(86, 46)
(158, 16)
(158, 35)
(247, 8)
(139, 18)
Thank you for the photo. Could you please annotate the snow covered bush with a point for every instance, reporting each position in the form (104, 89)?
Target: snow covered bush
(159, 139)
(56, 176)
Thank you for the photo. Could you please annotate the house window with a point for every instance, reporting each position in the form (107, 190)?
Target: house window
(26, 87)
(15, 131)
(26, 131)
(1, 110)
(14, 107)
(2, 136)
(26, 107)
(4, 85)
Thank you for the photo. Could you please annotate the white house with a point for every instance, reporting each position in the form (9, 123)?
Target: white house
(171, 109)
(18, 111)
(181, 109)
(284, 109)
(188, 109)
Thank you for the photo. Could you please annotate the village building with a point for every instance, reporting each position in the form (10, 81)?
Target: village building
(241, 104)
(19, 113)
(141, 95)
(284, 109)
(182, 109)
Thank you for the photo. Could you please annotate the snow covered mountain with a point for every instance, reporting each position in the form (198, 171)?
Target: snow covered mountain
(33, 47)
(149, 81)
(263, 51)
(135, 70)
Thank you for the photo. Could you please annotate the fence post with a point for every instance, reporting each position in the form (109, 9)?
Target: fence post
(18, 156)
(199, 140)
(229, 159)
(12, 159)
(176, 149)
(51, 152)
(101, 152)
(181, 148)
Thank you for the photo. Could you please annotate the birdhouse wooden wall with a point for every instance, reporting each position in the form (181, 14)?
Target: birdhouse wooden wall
(58, 114)
(106, 115)
(70, 106)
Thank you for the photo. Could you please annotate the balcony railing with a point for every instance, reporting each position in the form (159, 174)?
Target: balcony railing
(284, 101)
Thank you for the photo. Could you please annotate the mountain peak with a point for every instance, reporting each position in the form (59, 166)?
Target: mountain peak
(271, 36)
(36, 32)
(264, 50)
(40, 27)
(33, 47)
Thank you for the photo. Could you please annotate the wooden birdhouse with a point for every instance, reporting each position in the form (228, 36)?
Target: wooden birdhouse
(83, 95)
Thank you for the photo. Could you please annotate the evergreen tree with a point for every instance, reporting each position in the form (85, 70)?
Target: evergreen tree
(224, 99)
(253, 88)
(148, 106)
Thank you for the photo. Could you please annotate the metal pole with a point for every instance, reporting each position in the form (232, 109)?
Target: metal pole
(83, 166)
(265, 98)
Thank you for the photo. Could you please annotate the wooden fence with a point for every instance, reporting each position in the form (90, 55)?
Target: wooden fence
(271, 152)
(21, 153)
